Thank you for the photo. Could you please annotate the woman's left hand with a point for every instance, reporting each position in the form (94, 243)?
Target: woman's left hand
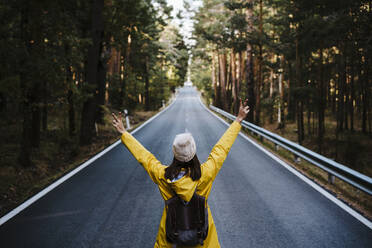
(117, 122)
(243, 110)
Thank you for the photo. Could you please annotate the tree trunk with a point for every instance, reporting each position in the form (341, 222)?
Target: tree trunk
(70, 95)
(239, 77)
(259, 76)
(147, 85)
(340, 96)
(214, 80)
(321, 104)
(222, 70)
(25, 150)
(249, 80)
(281, 95)
(94, 51)
(229, 85)
(125, 62)
(271, 87)
(235, 90)
(271, 92)
(36, 114)
(309, 118)
(241, 68)
(71, 113)
(365, 95)
(368, 92)
(101, 77)
(45, 106)
(218, 77)
(346, 92)
(299, 101)
(36, 51)
(24, 156)
(352, 95)
(290, 97)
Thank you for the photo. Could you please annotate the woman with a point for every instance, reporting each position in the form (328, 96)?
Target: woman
(185, 174)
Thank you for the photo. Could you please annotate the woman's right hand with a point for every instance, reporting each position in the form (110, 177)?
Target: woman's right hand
(118, 123)
(243, 111)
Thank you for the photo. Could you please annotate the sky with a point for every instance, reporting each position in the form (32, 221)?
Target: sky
(187, 26)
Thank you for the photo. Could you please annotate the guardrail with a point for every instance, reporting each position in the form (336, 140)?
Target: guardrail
(333, 168)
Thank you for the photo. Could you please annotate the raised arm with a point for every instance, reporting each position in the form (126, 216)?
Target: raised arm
(152, 166)
(222, 148)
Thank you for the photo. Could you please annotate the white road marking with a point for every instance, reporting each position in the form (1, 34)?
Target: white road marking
(46, 190)
(318, 188)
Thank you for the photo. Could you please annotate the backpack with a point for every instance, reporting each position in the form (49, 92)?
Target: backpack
(186, 222)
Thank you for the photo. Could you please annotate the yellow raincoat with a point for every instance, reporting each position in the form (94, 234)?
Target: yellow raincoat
(185, 186)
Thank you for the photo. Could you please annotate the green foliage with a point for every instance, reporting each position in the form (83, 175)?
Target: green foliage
(201, 77)
(175, 53)
(319, 50)
(44, 73)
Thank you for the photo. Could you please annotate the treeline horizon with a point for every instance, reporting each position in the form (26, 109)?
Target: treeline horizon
(66, 62)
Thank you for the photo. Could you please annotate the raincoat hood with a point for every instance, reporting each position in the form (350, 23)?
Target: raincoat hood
(183, 187)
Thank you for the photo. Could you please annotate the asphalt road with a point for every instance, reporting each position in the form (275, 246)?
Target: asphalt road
(255, 201)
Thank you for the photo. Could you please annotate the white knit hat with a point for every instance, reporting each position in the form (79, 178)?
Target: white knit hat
(184, 147)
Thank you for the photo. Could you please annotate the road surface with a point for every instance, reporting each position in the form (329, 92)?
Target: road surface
(255, 201)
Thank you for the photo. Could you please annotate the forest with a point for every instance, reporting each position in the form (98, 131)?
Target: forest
(305, 67)
(65, 66)
(64, 61)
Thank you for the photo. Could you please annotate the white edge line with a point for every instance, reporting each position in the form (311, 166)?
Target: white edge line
(318, 188)
(46, 190)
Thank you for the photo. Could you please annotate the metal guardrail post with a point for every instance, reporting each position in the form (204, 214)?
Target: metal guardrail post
(276, 147)
(331, 178)
(297, 159)
(127, 118)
